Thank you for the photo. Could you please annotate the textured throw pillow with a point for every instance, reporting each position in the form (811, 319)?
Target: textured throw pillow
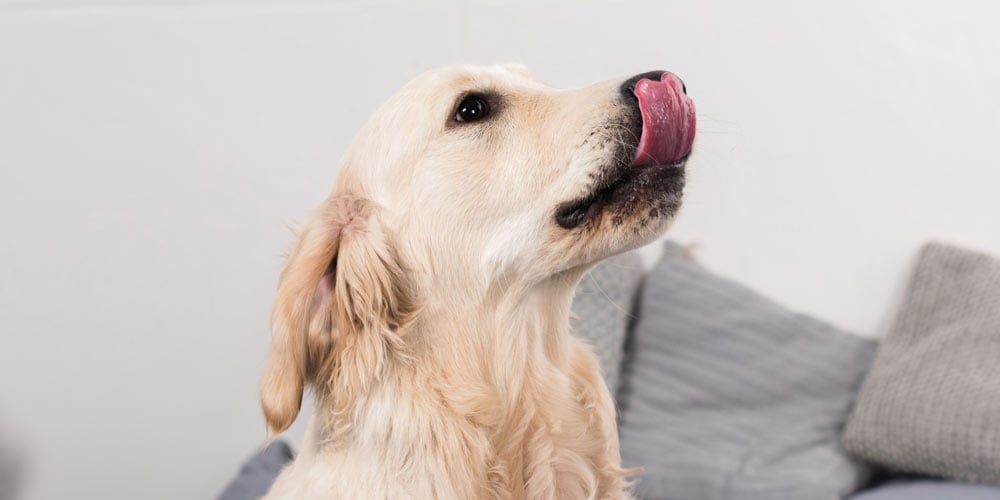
(258, 473)
(727, 395)
(602, 309)
(931, 403)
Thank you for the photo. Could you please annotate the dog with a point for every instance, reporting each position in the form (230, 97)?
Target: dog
(426, 303)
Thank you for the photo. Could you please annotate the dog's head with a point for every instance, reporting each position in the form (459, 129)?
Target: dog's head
(472, 182)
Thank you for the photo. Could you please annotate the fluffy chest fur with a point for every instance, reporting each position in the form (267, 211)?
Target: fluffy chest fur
(421, 436)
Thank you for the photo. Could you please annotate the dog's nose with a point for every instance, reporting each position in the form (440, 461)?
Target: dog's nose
(628, 88)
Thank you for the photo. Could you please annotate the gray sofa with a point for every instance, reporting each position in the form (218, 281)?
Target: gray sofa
(725, 394)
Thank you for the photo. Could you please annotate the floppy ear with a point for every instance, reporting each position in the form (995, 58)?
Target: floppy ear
(341, 300)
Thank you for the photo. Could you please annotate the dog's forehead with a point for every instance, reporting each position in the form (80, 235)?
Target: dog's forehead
(459, 79)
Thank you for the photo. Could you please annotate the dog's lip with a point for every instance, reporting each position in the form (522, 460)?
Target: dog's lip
(668, 121)
(572, 214)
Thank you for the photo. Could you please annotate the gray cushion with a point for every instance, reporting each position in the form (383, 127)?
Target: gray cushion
(602, 308)
(930, 490)
(931, 403)
(11, 469)
(258, 473)
(727, 395)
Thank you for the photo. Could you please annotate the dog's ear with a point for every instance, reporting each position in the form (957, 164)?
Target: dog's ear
(341, 303)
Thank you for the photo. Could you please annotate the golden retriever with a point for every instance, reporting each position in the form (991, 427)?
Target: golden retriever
(426, 304)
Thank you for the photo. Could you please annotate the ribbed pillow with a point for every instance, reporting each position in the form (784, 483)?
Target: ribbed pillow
(727, 395)
(602, 308)
(931, 403)
(257, 473)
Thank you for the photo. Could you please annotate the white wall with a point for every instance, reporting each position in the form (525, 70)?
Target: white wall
(152, 153)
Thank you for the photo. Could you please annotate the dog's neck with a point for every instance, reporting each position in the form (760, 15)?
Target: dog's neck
(501, 333)
(488, 350)
(501, 384)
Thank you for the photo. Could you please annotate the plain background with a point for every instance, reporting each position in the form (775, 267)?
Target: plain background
(153, 154)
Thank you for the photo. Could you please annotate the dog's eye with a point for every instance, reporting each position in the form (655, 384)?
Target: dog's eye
(472, 108)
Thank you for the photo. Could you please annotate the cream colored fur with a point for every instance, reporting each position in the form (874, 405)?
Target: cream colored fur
(426, 304)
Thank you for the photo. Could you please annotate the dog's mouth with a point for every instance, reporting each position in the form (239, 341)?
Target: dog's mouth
(648, 173)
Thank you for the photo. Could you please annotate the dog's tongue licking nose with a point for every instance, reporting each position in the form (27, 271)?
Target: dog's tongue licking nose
(668, 121)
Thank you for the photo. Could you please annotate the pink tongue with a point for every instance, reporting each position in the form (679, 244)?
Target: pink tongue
(668, 121)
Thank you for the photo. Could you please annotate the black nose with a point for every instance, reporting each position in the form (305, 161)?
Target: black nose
(628, 88)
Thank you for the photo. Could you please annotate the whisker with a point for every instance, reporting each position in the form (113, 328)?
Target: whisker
(606, 296)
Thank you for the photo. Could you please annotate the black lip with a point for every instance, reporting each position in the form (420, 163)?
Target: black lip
(624, 186)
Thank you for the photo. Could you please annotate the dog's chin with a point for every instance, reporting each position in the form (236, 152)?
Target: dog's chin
(638, 197)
